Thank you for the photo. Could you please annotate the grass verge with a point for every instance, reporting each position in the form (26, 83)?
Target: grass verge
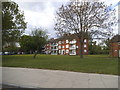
(90, 64)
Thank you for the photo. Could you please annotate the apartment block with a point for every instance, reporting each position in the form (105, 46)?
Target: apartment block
(66, 45)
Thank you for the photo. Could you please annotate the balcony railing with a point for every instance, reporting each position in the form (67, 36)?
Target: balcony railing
(72, 53)
(54, 49)
(72, 42)
(54, 44)
(72, 48)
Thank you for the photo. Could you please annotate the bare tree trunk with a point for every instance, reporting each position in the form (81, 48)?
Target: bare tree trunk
(81, 47)
(35, 54)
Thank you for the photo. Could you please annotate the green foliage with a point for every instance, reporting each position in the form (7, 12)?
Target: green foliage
(98, 49)
(26, 43)
(34, 42)
(107, 43)
(13, 24)
(39, 38)
(11, 49)
(94, 49)
(90, 64)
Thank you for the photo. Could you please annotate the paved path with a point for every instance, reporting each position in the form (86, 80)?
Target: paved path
(39, 78)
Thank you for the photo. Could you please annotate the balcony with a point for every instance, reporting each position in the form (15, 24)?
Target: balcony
(54, 45)
(53, 53)
(73, 42)
(72, 48)
(53, 49)
(72, 53)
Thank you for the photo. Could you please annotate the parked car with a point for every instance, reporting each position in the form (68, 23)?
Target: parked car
(6, 53)
(9, 53)
(1, 53)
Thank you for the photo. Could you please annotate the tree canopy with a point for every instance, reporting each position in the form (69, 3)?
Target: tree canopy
(93, 18)
(13, 22)
(34, 42)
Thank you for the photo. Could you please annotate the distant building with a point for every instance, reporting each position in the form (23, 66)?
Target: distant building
(115, 46)
(66, 45)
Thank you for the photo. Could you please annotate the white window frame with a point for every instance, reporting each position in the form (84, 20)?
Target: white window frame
(85, 45)
(115, 50)
(63, 42)
(67, 46)
(118, 43)
(85, 50)
(76, 46)
(67, 41)
(59, 42)
(59, 47)
(59, 51)
(67, 51)
(85, 41)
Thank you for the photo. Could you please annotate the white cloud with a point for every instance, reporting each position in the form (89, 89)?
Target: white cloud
(39, 19)
(41, 13)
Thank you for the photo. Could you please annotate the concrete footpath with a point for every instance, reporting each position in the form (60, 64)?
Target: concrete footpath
(40, 78)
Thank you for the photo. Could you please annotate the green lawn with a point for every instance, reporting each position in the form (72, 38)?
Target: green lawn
(91, 63)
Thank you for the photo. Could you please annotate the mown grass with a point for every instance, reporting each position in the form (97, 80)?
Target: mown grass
(90, 63)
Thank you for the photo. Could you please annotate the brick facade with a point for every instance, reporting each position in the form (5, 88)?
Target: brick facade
(66, 46)
(115, 46)
(115, 49)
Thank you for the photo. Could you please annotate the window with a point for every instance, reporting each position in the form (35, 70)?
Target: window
(74, 41)
(85, 41)
(62, 46)
(56, 44)
(62, 42)
(73, 46)
(115, 50)
(67, 51)
(118, 43)
(76, 46)
(59, 51)
(59, 42)
(85, 45)
(66, 41)
(85, 51)
(66, 46)
(59, 47)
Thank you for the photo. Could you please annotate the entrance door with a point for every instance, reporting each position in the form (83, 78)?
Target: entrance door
(63, 52)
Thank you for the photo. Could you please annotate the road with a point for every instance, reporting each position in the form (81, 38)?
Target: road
(41, 78)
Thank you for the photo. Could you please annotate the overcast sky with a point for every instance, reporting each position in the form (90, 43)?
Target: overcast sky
(41, 13)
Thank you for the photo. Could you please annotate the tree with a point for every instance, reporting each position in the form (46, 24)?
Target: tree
(84, 19)
(26, 43)
(94, 48)
(35, 42)
(13, 23)
(40, 36)
(107, 43)
(106, 46)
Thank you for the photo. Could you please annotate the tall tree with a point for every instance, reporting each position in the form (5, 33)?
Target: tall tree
(40, 39)
(13, 22)
(79, 18)
(26, 43)
(34, 42)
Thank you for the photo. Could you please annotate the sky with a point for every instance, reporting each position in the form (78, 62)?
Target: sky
(41, 13)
